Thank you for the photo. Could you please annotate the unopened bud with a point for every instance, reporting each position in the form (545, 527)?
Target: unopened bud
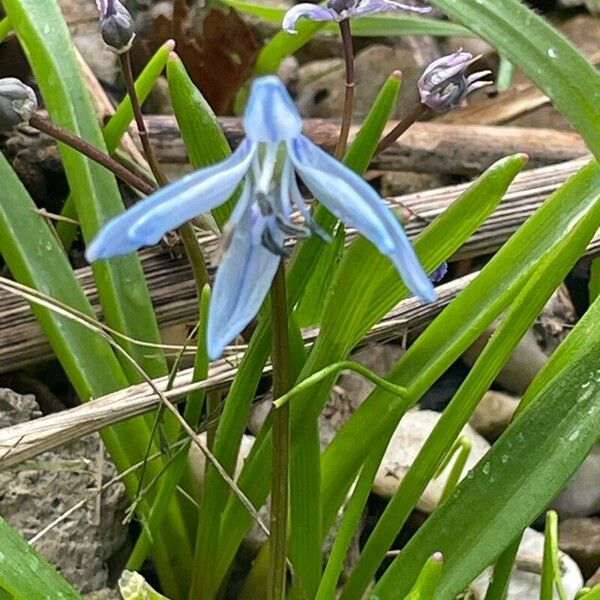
(116, 25)
(444, 85)
(17, 102)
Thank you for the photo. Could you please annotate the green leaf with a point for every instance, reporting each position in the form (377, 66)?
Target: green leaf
(456, 328)
(551, 572)
(594, 283)
(123, 293)
(24, 574)
(202, 135)
(537, 476)
(5, 28)
(116, 127)
(305, 497)
(528, 465)
(503, 570)
(36, 258)
(440, 240)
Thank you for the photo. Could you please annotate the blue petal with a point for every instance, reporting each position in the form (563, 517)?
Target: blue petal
(242, 282)
(171, 206)
(369, 7)
(310, 11)
(271, 115)
(355, 202)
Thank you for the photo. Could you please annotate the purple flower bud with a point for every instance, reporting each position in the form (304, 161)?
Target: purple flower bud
(439, 273)
(17, 102)
(444, 85)
(116, 25)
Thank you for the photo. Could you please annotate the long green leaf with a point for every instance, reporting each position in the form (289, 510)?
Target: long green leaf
(36, 258)
(24, 574)
(542, 280)
(202, 135)
(439, 241)
(455, 329)
(116, 127)
(527, 466)
(305, 477)
(121, 285)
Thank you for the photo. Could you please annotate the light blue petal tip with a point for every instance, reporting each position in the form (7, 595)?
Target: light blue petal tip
(271, 115)
(354, 201)
(242, 282)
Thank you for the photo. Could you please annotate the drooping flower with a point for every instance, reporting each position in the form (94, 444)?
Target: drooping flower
(116, 25)
(268, 159)
(17, 102)
(444, 85)
(338, 10)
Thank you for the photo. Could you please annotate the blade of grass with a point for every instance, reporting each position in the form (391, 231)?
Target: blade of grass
(176, 469)
(202, 135)
(442, 238)
(542, 281)
(115, 128)
(503, 568)
(24, 574)
(551, 575)
(123, 293)
(5, 28)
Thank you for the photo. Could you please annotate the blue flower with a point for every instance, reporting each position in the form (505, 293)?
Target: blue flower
(268, 159)
(444, 84)
(338, 10)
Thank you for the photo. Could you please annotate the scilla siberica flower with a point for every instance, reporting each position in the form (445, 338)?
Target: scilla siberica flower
(338, 10)
(267, 159)
(444, 85)
(116, 25)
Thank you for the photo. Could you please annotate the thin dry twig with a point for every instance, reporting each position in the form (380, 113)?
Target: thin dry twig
(34, 297)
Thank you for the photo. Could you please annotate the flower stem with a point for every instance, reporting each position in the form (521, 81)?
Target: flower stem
(408, 119)
(186, 231)
(46, 126)
(340, 147)
(281, 435)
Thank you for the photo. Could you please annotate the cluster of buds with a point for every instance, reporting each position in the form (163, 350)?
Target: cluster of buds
(116, 25)
(17, 103)
(444, 84)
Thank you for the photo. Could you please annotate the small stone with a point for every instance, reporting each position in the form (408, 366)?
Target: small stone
(104, 594)
(38, 491)
(198, 460)
(556, 320)
(408, 439)
(493, 414)
(580, 539)
(581, 496)
(525, 580)
(324, 96)
(522, 366)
